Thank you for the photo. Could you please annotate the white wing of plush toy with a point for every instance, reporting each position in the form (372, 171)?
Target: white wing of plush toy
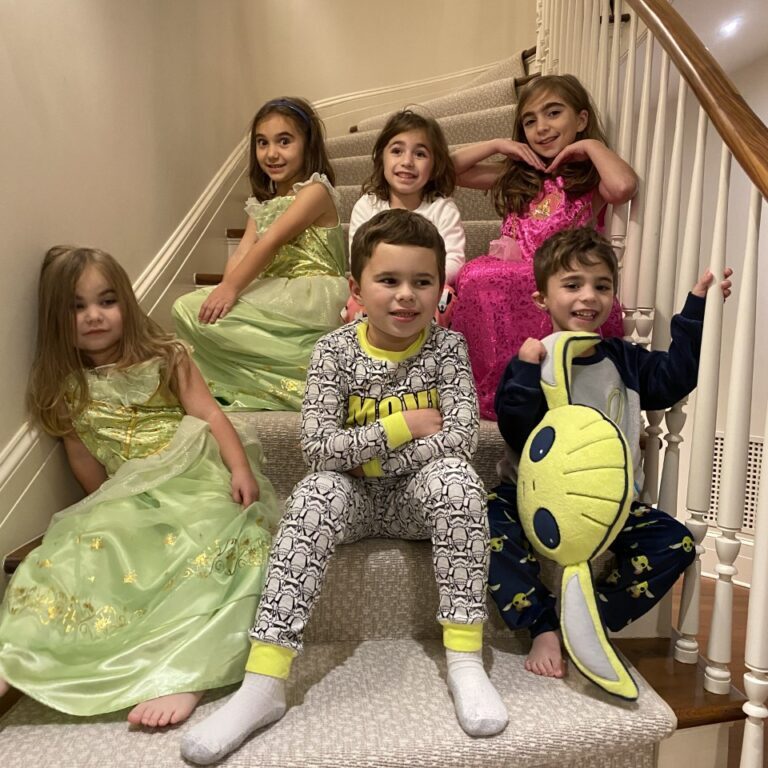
(574, 494)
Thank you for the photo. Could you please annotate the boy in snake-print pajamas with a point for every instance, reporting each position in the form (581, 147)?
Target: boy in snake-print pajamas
(389, 424)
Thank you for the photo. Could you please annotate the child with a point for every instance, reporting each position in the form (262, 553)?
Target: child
(252, 338)
(559, 173)
(138, 593)
(576, 273)
(412, 169)
(389, 423)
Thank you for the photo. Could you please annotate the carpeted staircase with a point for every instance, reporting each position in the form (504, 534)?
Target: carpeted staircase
(370, 689)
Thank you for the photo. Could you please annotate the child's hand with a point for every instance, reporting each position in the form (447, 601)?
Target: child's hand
(576, 152)
(220, 300)
(700, 289)
(532, 351)
(424, 422)
(520, 151)
(245, 488)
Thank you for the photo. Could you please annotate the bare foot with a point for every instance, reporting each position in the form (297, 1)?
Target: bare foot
(4, 687)
(165, 710)
(546, 657)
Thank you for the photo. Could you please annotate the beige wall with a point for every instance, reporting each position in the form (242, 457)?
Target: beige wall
(117, 114)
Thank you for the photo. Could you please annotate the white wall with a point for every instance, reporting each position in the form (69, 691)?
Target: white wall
(116, 115)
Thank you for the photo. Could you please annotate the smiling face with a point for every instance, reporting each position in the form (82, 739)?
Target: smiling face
(399, 289)
(98, 318)
(578, 298)
(408, 165)
(550, 124)
(280, 151)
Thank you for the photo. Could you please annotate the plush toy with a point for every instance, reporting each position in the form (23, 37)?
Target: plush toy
(574, 494)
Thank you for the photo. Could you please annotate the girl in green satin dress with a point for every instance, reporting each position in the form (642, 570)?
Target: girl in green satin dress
(140, 594)
(284, 286)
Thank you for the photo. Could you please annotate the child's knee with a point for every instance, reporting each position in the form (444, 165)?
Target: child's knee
(320, 500)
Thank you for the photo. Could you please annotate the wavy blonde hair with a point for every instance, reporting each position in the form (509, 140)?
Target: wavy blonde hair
(58, 391)
(518, 182)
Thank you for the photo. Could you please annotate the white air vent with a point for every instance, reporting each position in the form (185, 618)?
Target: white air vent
(751, 488)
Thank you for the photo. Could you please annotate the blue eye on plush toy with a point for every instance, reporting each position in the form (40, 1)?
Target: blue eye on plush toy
(574, 494)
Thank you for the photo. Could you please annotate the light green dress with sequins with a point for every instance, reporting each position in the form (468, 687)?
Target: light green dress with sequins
(256, 357)
(146, 587)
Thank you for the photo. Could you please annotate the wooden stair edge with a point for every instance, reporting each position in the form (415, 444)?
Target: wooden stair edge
(13, 559)
(680, 685)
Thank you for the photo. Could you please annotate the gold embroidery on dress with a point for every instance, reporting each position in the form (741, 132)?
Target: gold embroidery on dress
(44, 563)
(97, 543)
(227, 558)
(544, 208)
(70, 614)
(129, 577)
(170, 539)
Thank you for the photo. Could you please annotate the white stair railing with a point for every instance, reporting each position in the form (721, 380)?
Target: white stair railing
(659, 266)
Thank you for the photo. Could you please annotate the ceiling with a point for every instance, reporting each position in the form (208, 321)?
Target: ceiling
(735, 32)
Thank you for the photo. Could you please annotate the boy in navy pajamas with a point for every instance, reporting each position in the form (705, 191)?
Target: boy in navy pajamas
(576, 278)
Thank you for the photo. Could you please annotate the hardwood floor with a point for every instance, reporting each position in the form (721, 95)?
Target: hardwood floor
(681, 684)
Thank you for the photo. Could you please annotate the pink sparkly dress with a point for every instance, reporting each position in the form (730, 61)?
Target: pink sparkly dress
(494, 309)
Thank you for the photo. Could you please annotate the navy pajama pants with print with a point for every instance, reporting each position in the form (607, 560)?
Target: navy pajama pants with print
(651, 551)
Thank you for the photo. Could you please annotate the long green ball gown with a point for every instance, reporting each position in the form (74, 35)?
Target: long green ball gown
(256, 357)
(147, 586)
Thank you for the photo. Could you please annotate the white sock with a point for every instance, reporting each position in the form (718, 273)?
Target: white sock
(259, 702)
(479, 708)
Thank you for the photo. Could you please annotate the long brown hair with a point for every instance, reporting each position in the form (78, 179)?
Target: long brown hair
(308, 125)
(58, 390)
(519, 183)
(442, 180)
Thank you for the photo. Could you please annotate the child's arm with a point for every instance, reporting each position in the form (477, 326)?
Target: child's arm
(472, 172)
(664, 378)
(88, 471)
(618, 182)
(312, 204)
(326, 442)
(247, 241)
(197, 401)
(454, 433)
(365, 208)
(520, 404)
(448, 223)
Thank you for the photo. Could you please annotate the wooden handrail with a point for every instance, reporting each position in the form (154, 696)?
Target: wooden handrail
(740, 128)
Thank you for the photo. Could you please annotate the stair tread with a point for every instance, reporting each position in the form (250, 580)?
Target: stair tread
(343, 712)
(681, 685)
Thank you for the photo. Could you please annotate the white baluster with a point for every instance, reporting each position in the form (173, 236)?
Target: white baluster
(569, 37)
(541, 34)
(730, 513)
(756, 650)
(649, 250)
(629, 276)
(703, 439)
(686, 647)
(612, 98)
(601, 81)
(594, 42)
(584, 37)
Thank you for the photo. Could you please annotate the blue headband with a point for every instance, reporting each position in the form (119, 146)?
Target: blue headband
(293, 107)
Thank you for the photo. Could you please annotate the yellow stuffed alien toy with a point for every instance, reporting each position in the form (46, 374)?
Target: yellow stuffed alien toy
(574, 493)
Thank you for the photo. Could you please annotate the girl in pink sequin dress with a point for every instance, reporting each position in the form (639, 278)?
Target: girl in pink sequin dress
(558, 174)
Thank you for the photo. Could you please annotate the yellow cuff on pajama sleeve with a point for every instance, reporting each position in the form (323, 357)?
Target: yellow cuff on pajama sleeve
(397, 433)
(463, 637)
(396, 430)
(270, 659)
